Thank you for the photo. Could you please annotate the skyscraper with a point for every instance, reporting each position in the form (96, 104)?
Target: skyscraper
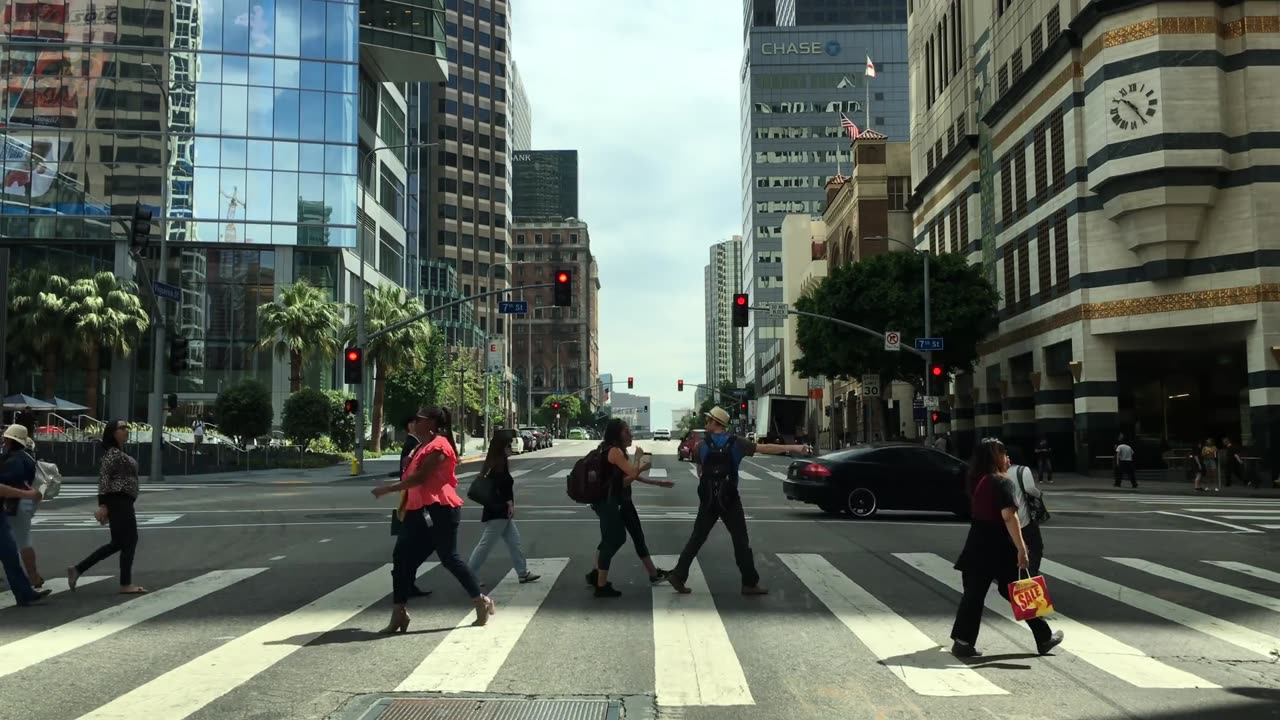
(545, 184)
(721, 277)
(521, 113)
(805, 66)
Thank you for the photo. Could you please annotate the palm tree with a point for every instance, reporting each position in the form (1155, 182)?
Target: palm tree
(404, 348)
(302, 324)
(40, 321)
(108, 316)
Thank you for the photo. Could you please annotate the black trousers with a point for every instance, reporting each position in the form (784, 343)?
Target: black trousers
(124, 538)
(977, 582)
(631, 521)
(728, 509)
(419, 540)
(613, 530)
(1124, 469)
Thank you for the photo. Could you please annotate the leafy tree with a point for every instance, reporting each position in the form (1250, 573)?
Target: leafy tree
(570, 407)
(886, 292)
(342, 427)
(307, 416)
(107, 316)
(386, 306)
(302, 325)
(40, 322)
(244, 411)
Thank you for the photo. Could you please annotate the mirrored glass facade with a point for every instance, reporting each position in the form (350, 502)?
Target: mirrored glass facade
(234, 119)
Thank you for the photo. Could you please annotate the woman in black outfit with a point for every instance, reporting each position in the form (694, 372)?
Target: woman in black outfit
(117, 491)
(619, 473)
(994, 551)
(411, 443)
(499, 518)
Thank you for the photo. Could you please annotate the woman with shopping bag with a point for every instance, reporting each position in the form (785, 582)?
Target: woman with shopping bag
(996, 551)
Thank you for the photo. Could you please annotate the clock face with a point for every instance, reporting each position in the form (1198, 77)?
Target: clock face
(1133, 106)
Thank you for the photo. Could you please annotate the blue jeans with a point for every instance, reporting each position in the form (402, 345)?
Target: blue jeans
(23, 593)
(494, 529)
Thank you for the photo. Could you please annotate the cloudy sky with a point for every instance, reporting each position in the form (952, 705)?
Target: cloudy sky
(647, 93)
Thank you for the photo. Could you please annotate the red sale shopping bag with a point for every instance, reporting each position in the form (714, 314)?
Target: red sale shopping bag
(1029, 597)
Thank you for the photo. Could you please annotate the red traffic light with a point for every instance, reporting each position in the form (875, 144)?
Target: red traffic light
(631, 383)
(562, 277)
(935, 417)
(353, 355)
(680, 385)
(936, 370)
(740, 299)
(743, 406)
(555, 406)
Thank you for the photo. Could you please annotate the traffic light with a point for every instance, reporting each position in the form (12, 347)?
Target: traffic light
(743, 407)
(178, 355)
(555, 406)
(934, 417)
(140, 227)
(631, 383)
(740, 310)
(353, 366)
(935, 370)
(680, 385)
(351, 407)
(563, 295)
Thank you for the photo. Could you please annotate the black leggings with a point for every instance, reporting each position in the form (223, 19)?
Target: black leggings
(631, 521)
(613, 531)
(417, 541)
(124, 537)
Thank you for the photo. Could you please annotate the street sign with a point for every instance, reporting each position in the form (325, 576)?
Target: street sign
(929, 344)
(931, 402)
(776, 309)
(892, 340)
(496, 357)
(513, 307)
(166, 291)
(871, 385)
(917, 409)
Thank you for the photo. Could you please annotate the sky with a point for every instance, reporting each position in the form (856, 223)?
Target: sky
(647, 93)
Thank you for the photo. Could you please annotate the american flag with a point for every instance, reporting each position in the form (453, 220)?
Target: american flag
(871, 67)
(849, 127)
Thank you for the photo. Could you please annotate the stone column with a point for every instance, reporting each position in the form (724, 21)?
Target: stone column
(1054, 407)
(1262, 347)
(988, 404)
(963, 430)
(1097, 404)
(1018, 426)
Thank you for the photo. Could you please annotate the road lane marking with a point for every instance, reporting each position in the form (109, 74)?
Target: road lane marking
(1270, 527)
(57, 585)
(746, 475)
(278, 557)
(1092, 646)
(1195, 581)
(1228, 632)
(188, 688)
(469, 658)
(1236, 509)
(657, 474)
(1251, 518)
(1247, 569)
(1241, 528)
(55, 641)
(886, 634)
(325, 540)
(694, 664)
(520, 473)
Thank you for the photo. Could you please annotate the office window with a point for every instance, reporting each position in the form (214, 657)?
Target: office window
(1057, 150)
(1061, 258)
(1010, 297)
(1006, 188)
(1020, 177)
(1044, 258)
(899, 192)
(1024, 273)
(1041, 163)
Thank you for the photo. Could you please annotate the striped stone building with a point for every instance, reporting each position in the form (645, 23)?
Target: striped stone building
(1115, 167)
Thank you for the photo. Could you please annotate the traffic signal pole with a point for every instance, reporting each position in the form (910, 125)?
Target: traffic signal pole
(928, 356)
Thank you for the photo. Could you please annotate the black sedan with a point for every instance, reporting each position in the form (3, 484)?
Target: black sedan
(866, 479)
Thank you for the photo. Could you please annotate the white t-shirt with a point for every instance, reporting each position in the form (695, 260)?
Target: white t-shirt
(1124, 453)
(1029, 480)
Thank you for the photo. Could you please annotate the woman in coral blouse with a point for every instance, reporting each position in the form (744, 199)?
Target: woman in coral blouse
(431, 515)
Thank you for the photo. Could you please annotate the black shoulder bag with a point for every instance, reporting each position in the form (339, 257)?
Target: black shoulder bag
(1039, 512)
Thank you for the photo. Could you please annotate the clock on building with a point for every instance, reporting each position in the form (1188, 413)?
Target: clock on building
(1133, 106)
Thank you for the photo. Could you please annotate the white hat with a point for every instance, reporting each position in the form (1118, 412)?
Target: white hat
(718, 414)
(18, 434)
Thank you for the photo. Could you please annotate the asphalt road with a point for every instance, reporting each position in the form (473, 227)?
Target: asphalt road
(266, 598)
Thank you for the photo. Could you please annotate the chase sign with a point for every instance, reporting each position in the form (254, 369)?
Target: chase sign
(831, 47)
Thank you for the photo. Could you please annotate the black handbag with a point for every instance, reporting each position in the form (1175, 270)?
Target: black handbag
(483, 490)
(1039, 513)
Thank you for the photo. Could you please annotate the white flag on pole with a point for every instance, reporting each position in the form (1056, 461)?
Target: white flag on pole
(871, 67)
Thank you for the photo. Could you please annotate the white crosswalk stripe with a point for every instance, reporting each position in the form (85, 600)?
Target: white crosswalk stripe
(696, 639)
(57, 585)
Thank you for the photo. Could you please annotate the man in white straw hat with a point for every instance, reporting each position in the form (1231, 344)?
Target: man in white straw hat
(718, 457)
(17, 484)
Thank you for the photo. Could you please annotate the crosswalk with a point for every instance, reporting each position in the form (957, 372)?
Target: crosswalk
(1254, 515)
(1123, 627)
(80, 491)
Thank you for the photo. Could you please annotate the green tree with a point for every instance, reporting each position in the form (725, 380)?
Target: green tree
(40, 323)
(570, 407)
(886, 292)
(108, 317)
(244, 411)
(303, 324)
(342, 427)
(307, 416)
(405, 348)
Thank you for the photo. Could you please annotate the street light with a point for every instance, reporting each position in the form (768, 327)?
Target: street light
(361, 331)
(493, 322)
(928, 319)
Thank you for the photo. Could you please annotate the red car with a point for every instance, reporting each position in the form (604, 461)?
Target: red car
(688, 444)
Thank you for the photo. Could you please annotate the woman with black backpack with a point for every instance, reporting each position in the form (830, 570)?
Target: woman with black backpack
(617, 472)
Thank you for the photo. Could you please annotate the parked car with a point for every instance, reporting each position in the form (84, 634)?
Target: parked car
(529, 442)
(517, 444)
(866, 479)
(688, 443)
(578, 434)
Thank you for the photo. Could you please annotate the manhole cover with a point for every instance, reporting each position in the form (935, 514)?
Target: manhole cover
(493, 709)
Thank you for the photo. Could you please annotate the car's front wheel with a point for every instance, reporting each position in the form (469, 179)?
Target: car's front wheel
(862, 503)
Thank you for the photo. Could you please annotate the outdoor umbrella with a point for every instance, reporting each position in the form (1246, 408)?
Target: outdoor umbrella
(26, 402)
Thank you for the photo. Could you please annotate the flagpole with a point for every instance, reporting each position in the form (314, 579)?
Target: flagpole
(867, 81)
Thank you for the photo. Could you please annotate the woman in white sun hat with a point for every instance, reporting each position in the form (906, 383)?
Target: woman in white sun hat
(17, 486)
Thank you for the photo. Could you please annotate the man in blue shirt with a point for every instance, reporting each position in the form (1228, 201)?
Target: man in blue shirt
(718, 456)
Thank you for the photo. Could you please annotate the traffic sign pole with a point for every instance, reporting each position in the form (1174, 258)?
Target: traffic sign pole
(928, 356)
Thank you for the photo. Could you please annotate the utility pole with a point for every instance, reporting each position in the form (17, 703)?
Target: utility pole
(155, 406)
(928, 359)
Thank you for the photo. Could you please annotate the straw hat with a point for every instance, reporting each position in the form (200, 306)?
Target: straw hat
(18, 434)
(718, 414)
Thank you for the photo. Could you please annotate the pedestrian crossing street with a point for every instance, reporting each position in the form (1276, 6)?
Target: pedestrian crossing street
(1128, 622)
(1243, 514)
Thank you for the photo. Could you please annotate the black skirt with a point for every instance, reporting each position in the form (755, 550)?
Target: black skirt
(987, 549)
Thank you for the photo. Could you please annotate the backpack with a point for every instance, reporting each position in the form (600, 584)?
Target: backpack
(1039, 513)
(587, 483)
(719, 466)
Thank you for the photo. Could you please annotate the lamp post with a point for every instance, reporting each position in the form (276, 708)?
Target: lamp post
(155, 407)
(361, 330)
(492, 322)
(928, 323)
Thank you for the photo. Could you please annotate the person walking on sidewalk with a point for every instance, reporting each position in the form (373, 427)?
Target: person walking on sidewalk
(1044, 461)
(1124, 462)
(500, 518)
(433, 514)
(17, 486)
(718, 456)
(994, 551)
(117, 493)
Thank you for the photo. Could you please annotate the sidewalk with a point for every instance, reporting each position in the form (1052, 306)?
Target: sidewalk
(1105, 484)
(374, 468)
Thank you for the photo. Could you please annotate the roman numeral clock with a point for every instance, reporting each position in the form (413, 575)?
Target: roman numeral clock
(1133, 106)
